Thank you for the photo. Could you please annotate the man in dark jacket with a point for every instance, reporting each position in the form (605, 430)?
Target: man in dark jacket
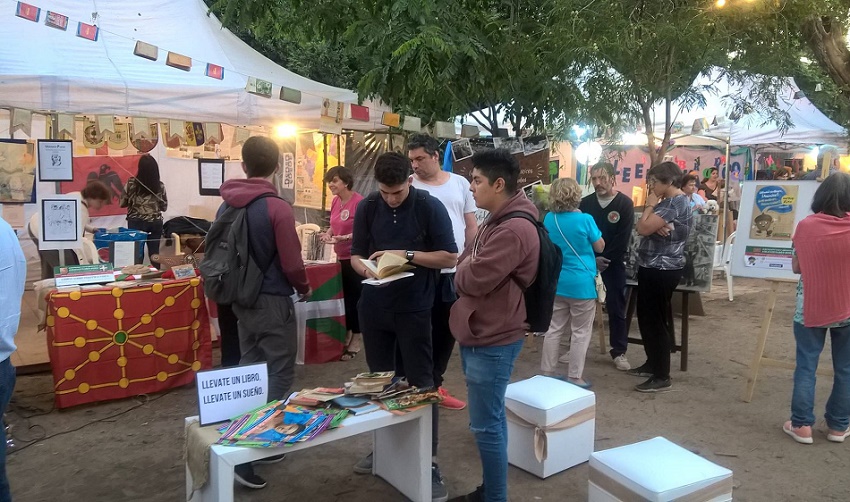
(614, 214)
(488, 319)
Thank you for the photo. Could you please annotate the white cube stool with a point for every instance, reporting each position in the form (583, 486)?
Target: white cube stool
(656, 470)
(551, 425)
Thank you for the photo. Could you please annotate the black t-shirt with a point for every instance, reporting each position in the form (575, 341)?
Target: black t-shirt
(420, 223)
(616, 221)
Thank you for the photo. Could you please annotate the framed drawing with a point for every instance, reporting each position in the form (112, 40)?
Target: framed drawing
(210, 176)
(55, 160)
(61, 225)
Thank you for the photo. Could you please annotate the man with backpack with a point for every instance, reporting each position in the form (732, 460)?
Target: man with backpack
(395, 317)
(489, 319)
(253, 262)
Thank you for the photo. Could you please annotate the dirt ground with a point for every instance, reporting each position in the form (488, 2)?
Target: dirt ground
(132, 449)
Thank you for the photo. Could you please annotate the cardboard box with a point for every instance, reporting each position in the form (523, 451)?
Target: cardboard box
(565, 413)
(656, 470)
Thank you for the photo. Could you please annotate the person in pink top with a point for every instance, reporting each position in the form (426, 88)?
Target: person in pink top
(821, 241)
(344, 204)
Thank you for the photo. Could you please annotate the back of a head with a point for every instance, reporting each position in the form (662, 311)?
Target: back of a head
(667, 172)
(428, 143)
(833, 195)
(498, 163)
(564, 195)
(148, 174)
(392, 169)
(260, 156)
(96, 190)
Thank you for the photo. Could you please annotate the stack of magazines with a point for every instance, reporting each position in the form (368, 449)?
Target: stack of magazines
(277, 424)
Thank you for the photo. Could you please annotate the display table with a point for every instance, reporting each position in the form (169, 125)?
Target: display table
(402, 455)
(631, 306)
(111, 343)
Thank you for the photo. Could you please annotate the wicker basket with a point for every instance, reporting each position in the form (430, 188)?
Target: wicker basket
(168, 261)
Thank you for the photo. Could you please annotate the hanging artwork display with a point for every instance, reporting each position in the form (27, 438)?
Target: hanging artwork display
(310, 168)
(17, 171)
(774, 210)
(111, 171)
(55, 160)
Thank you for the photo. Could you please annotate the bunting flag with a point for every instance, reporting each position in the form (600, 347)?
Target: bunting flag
(290, 95)
(444, 130)
(213, 133)
(240, 135)
(321, 330)
(469, 131)
(105, 123)
(413, 124)
(175, 128)
(390, 119)
(360, 113)
(259, 87)
(21, 120)
(65, 123)
(141, 128)
(146, 50)
(28, 12)
(178, 61)
(88, 31)
(56, 20)
(333, 109)
(215, 71)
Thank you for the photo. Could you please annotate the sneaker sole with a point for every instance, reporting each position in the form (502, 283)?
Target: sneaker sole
(795, 437)
(271, 460)
(650, 391)
(641, 374)
(837, 438)
(456, 408)
(242, 481)
(362, 470)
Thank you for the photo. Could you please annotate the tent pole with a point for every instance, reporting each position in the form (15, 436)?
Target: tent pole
(726, 177)
(324, 172)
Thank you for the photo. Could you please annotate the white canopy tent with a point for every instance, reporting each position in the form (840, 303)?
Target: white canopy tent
(45, 69)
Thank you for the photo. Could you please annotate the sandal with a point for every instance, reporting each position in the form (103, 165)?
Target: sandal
(348, 355)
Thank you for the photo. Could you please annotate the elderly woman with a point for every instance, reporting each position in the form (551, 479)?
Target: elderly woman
(340, 181)
(664, 225)
(575, 304)
(820, 243)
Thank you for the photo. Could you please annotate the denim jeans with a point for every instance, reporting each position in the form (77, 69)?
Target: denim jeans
(7, 384)
(488, 371)
(809, 346)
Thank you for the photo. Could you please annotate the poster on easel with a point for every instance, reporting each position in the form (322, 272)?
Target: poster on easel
(60, 223)
(773, 212)
(770, 211)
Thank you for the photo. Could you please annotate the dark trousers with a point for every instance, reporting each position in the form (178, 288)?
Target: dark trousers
(351, 287)
(228, 327)
(7, 385)
(442, 341)
(154, 230)
(655, 316)
(401, 342)
(614, 278)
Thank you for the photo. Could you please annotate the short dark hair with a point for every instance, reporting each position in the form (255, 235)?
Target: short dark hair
(430, 144)
(667, 172)
(497, 163)
(341, 172)
(604, 166)
(689, 178)
(260, 155)
(833, 195)
(96, 190)
(392, 168)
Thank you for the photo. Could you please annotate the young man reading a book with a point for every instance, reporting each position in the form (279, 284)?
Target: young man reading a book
(395, 317)
(488, 319)
(453, 191)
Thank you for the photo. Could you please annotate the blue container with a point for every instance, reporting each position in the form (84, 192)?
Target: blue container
(102, 240)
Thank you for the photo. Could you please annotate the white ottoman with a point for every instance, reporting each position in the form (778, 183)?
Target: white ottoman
(656, 470)
(551, 425)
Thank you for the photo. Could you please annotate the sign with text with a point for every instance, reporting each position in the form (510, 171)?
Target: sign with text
(227, 392)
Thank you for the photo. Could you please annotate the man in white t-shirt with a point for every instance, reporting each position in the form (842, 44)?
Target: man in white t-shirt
(453, 191)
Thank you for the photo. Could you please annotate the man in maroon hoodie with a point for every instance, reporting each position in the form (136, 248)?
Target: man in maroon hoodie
(488, 319)
(267, 330)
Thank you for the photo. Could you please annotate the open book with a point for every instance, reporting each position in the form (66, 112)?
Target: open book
(388, 265)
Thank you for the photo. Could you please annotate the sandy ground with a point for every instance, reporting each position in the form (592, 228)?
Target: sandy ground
(132, 449)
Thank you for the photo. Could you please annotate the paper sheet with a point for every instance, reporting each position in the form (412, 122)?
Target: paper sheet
(123, 253)
(212, 174)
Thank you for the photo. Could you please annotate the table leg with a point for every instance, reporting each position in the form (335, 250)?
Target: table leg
(220, 485)
(402, 456)
(683, 361)
(631, 306)
(755, 364)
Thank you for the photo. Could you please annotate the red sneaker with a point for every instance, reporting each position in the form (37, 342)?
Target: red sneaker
(449, 402)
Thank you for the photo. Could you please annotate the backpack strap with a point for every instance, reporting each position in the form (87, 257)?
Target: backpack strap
(527, 217)
(248, 223)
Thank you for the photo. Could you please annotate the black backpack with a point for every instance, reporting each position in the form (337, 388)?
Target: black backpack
(540, 294)
(231, 274)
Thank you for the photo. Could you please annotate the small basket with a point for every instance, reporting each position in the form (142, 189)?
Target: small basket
(168, 261)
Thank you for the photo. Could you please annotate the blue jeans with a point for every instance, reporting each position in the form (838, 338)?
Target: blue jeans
(809, 346)
(488, 371)
(7, 384)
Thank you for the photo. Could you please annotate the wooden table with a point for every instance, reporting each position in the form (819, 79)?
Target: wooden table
(631, 305)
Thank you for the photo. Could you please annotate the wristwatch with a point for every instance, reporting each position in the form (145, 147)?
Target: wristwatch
(408, 255)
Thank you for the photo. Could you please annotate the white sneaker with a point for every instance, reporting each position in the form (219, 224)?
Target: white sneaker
(565, 358)
(621, 363)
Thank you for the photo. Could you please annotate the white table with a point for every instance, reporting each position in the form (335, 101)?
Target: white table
(402, 454)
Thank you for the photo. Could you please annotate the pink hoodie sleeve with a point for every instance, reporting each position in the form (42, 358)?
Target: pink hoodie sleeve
(288, 246)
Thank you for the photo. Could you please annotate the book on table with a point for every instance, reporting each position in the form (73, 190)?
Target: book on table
(388, 267)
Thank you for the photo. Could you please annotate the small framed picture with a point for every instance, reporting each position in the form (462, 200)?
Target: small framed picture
(183, 271)
(55, 160)
(210, 176)
(461, 149)
(61, 227)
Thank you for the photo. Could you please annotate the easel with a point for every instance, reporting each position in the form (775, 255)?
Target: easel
(758, 357)
(631, 305)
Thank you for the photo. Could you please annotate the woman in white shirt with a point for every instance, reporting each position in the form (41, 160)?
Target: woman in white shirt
(689, 187)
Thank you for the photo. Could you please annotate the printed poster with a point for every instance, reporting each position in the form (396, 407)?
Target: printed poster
(17, 171)
(774, 211)
(310, 168)
(112, 171)
(768, 257)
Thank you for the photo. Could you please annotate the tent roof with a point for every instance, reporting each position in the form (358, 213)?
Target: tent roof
(47, 69)
(810, 126)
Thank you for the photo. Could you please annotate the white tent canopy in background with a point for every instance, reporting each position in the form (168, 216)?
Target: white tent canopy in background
(49, 70)
(810, 126)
